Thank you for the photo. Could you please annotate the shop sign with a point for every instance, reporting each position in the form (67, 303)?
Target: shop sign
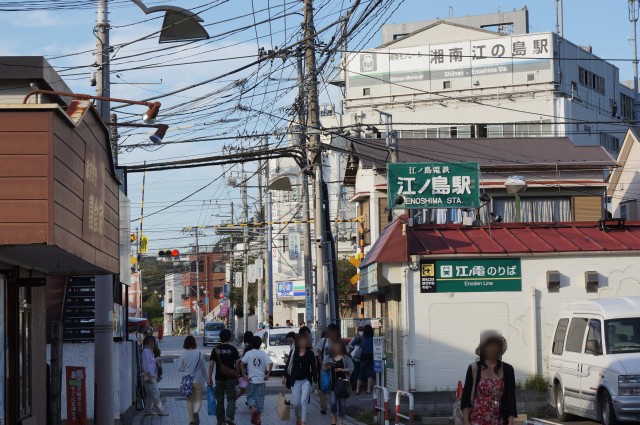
(291, 289)
(294, 245)
(471, 275)
(434, 185)
(378, 353)
(369, 279)
(76, 395)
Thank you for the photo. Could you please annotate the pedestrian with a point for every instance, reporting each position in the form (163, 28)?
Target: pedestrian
(301, 325)
(150, 378)
(323, 350)
(160, 333)
(247, 339)
(489, 394)
(300, 375)
(191, 362)
(225, 358)
(341, 368)
(288, 323)
(355, 349)
(256, 368)
(366, 373)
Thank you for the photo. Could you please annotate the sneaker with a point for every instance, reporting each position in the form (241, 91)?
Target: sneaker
(196, 418)
(163, 414)
(149, 414)
(324, 412)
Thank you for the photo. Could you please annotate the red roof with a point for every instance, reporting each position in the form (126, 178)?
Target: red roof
(502, 239)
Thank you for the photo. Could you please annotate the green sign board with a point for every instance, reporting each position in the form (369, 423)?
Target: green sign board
(472, 275)
(434, 185)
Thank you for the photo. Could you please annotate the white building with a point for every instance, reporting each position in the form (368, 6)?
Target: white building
(451, 80)
(624, 183)
(174, 295)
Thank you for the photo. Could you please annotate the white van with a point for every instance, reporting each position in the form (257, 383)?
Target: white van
(274, 342)
(594, 364)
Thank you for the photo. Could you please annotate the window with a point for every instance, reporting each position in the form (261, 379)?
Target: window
(552, 209)
(193, 266)
(594, 334)
(366, 91)
(219, 268)
(432, 133)
(531, 77)
(610, 143)
(278, 339)
(576, 334)
(623, 335)
(363, 210)
(561, 333)
(626, 107)
(446, 84)
(170, 296)
(591, 80)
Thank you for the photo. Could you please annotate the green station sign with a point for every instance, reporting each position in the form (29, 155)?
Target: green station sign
(471, 275)
(434, 185)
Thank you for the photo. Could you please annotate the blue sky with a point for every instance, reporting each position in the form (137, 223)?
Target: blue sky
(603, 25)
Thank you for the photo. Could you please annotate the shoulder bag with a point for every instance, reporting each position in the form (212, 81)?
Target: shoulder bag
(458, 416)
(186, 385)
(225, 371)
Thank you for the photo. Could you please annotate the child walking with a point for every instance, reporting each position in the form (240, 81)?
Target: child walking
(256, 369)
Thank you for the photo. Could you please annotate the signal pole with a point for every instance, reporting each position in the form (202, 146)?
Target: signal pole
(196, 233)
(103, 77)
(313, 132)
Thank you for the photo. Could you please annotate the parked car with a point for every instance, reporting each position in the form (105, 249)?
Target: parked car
(211, 334)
(594, 364)
(274, 342)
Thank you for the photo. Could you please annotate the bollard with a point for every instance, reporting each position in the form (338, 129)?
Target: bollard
(399, 416)
(377, 389)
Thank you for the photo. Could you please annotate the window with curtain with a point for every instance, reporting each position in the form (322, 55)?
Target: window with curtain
(534, 209)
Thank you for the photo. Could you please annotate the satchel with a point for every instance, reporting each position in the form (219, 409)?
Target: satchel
(283, 409)
(458, 416)
(325, 381)
(342, 388)
(186, 386)
(226, 371)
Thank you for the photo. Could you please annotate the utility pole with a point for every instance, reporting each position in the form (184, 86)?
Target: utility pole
(198, 312)
(313, 132)
(306, 225)
(269, 256)
(103, 77)
(633, 17)
(245, 256)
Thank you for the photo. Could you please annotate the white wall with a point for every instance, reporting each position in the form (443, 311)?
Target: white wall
(445, 327)
(627, 191)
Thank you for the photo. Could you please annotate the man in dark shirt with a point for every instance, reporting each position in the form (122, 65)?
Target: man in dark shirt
(227, 355)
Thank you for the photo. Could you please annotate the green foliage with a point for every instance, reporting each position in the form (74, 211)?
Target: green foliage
(518, 385)
(537, 383)
(153, 272)
(152, 307)
(346, 271)
(236, 294)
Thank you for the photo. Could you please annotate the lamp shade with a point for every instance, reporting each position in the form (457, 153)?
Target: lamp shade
(180, 26)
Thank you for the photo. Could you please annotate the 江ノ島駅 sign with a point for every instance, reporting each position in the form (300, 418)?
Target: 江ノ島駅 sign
(434, 185)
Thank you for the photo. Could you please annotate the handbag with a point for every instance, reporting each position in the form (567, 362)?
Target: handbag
(186, 385)
(212, 403)
(243, 383)
(458, 415)
(342, 388)
(226, 371)
(283, 409)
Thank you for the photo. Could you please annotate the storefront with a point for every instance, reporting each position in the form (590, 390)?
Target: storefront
(59, 218)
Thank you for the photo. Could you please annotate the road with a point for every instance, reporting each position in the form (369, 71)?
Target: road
(576, 421)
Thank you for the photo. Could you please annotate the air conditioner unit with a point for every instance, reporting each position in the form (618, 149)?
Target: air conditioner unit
(591, 281)
(553, 281)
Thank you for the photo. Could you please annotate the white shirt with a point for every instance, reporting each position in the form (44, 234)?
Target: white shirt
(149, 363)
(257, 362)
(191, 362)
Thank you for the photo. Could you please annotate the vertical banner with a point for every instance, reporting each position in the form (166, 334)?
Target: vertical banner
(294, 245)
(238, 281)
(259, 264)
(378, 353)
(76, 395)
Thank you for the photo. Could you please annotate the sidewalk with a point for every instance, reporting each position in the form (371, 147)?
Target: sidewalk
(176, 406)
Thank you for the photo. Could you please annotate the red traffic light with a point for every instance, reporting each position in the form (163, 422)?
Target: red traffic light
(169, 253)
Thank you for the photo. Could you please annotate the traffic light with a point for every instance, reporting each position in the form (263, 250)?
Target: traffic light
(144, 244)
(168, 253)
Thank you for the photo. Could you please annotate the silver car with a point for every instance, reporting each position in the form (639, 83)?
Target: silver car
(211, 335)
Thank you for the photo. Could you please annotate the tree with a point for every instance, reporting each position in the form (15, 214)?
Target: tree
(236, 293)
(153, 272)
(346, 289)
(152, 307)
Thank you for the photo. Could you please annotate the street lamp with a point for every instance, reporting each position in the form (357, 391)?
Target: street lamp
(516, 185)
(179, 24)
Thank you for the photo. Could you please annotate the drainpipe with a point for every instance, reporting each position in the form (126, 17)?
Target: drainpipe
(534, 330)
(408, 378)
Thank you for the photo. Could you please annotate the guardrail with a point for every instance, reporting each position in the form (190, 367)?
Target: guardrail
(384, 409)
(399, 416)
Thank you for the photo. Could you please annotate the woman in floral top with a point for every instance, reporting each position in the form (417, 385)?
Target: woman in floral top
(489, 397)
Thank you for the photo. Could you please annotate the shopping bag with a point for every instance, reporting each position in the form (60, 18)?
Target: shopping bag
(211, 401)
(283, 409)
(325, 381)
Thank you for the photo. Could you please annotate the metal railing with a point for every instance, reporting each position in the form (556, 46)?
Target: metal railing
(381, 411)
(399, 416)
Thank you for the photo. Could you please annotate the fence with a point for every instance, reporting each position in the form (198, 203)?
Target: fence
(399, 416)
(381, 411)
(349, 327)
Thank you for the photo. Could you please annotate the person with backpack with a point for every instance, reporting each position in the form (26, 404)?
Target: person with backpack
(323, 349)
(191, 363)
(256, 368)
(300, 375)
(225, 358)
(489, 394)
(366, 372)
